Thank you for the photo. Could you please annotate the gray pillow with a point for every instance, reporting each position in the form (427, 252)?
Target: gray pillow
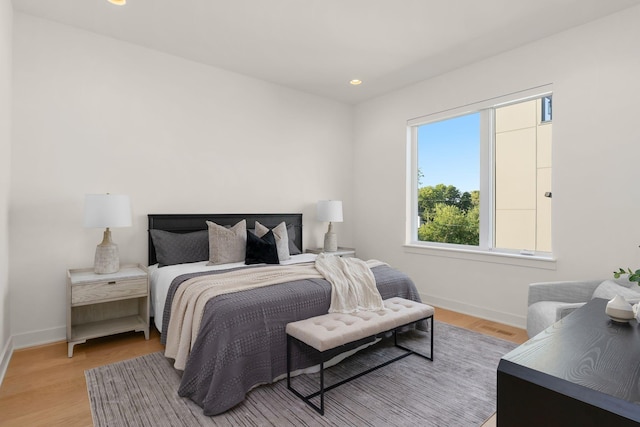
(179, 248)
(609, 289)
(227, 244)
(293, 248)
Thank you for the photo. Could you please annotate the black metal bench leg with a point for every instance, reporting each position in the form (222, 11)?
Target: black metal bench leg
(307, 399)
(431, 328)
(321, 388)
(289, 362)
(410, 351)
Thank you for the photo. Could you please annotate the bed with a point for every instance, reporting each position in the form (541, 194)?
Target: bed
(241, 339)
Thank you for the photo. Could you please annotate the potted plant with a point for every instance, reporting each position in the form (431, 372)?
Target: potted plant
(634, 276)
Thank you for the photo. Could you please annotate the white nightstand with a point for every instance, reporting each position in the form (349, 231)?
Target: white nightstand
(343, 252)
(106, 304)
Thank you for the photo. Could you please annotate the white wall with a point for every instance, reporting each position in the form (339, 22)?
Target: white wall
(6, 24)
(594, 70)
(96, 115)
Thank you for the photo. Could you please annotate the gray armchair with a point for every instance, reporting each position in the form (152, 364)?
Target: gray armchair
(551, 301)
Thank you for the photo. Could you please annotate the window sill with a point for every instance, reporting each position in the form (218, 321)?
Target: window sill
(531, 261)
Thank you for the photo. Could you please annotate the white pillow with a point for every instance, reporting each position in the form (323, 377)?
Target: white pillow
(609, 289)
(227, 244)
(282, 238)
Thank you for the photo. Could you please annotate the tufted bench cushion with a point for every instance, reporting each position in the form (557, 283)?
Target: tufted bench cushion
(335, 329)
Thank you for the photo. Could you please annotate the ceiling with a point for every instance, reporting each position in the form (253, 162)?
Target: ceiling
(318, 46)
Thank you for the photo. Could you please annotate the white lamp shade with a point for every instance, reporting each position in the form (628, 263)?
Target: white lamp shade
(107, 210)
(330, 210)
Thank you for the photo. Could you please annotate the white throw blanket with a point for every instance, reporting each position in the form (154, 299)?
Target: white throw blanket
(353, 286)
(192, 295)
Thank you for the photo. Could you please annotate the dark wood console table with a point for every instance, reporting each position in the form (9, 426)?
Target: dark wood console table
(582, 371)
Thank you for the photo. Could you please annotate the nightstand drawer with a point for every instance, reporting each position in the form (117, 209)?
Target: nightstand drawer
(90, 293)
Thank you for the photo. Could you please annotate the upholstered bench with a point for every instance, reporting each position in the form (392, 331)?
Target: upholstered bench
(326, 333)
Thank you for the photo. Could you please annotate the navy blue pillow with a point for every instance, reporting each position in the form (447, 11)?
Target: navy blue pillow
(261, 249)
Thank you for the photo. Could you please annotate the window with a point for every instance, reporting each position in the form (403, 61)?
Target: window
(449, 180)
(546, 109)
(481, 176)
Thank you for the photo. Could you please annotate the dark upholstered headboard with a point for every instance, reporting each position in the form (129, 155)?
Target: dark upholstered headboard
(185, 223)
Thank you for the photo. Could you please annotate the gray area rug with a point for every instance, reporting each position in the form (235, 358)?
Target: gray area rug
(457, 389)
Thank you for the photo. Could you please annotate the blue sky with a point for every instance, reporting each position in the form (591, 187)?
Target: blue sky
(449, 152)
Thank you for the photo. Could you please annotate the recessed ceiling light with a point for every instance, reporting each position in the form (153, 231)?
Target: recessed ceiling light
(355, 82)
(118, 2)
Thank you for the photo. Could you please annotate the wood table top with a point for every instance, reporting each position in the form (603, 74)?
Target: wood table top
(586, 356)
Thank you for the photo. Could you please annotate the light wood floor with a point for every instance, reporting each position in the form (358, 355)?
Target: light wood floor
(43, 387)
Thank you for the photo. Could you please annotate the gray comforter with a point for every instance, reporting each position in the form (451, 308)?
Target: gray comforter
(242, 339)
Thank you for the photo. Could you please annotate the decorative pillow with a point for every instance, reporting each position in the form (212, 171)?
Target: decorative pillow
(179, 248)
(227, 244)
(261, 249)
(609, 289)
(281, 236)
(293, 249)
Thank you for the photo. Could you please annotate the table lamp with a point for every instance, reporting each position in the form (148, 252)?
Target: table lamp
(331, 211)
(107, 211)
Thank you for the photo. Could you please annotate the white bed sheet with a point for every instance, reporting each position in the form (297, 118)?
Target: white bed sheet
(161, 278)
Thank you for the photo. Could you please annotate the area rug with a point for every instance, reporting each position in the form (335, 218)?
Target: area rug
(457, 389)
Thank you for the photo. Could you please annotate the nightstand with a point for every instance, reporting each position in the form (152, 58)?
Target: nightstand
(106, 304)
(343, 252)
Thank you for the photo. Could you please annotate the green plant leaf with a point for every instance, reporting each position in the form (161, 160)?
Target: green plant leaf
(620, 272)
(634, 276)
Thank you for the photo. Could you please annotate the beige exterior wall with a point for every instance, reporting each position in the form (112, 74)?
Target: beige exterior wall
(523, 175)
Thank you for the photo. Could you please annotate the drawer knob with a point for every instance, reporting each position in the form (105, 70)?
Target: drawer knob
(112, 283)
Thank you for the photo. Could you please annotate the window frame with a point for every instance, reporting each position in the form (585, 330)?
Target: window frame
(486, 109)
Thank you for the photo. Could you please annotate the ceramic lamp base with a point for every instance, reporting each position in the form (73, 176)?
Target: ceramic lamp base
(330, 240)
(107, 259)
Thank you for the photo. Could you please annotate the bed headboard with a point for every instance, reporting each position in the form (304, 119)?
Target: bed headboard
(185, 223)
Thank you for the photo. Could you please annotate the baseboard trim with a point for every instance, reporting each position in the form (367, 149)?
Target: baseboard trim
(473, 310)
(44, 336)
(5, 358)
